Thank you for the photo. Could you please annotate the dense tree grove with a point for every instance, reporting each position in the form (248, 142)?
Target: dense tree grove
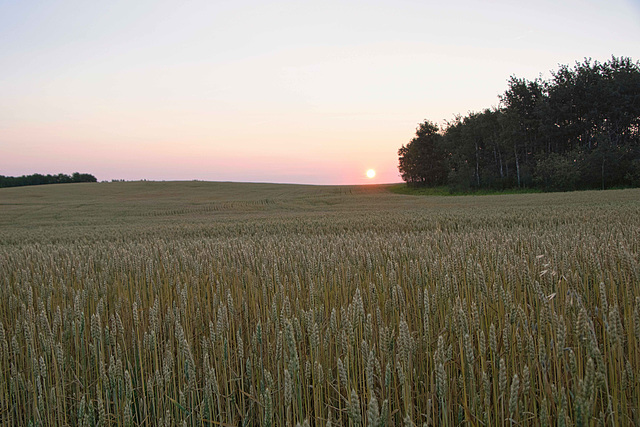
(578, 130)
(422, 160)
(38, 179)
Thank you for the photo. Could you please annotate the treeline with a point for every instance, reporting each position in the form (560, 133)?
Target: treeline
(578, 130)
(38, 179)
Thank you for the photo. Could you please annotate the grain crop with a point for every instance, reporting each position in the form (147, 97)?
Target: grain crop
(215, 304)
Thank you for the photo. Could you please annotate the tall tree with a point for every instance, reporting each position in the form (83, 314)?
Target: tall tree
(421, 161)
(522, 103)
(580, 129)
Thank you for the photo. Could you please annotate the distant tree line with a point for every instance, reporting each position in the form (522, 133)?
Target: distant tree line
(38, 179)
(578, 130)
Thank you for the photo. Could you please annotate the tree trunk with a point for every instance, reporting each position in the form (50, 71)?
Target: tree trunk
(602, 171)
(498, 159)
(477, 165)
(515, 152)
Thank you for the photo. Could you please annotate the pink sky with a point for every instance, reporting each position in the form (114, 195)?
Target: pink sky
(280, 92)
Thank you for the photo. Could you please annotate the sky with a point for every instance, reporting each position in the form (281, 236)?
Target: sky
(309, 92)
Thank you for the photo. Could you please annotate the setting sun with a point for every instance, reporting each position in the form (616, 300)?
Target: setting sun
(371, 173)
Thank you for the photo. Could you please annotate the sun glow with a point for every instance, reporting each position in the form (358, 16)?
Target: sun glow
(371, 173)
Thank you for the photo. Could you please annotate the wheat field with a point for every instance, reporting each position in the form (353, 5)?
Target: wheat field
(224, 304)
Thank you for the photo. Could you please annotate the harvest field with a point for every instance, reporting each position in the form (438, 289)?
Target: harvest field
(192, 303)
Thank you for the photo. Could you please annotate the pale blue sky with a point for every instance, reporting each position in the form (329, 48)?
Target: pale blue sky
(307, 92)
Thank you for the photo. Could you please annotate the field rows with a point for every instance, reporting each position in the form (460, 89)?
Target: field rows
(370, 309)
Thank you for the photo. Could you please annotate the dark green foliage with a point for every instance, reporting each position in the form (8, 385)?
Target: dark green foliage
(422, 159)
(579, 130)
(557, 172)
(633, 173)
(38, 179)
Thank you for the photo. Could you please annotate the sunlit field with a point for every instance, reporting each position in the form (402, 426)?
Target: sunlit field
(202, 304)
